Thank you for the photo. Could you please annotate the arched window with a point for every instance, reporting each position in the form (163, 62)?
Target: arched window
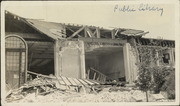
(16, 61)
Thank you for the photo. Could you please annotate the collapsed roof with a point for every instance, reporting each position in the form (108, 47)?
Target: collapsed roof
(54, 30)
(49, 31)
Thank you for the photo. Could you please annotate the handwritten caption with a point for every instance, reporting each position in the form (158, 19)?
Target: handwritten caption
(140, 7)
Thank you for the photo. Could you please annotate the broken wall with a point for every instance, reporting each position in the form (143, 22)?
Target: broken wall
(70, 59)
(131, 58)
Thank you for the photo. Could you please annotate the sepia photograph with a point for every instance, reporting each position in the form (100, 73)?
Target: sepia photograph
(90, 52)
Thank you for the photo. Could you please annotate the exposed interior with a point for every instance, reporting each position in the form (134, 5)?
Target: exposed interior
(107, 60)
(40, 46)
(41, 57)
(105, 55)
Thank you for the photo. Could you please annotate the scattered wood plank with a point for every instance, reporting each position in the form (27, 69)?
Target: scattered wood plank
(81, 82)
(66, 81)
(93, 81)
(75, 80)
(90, 83)
(58, 80)
(69, 80)
(62, 80)
(88, 73)
(84, 83)
(94, 77)
(72, 81)
(46, 76)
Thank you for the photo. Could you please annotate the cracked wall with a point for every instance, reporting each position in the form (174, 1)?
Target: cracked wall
(71, 59)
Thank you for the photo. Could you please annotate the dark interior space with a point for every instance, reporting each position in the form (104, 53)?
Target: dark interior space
(41, 57)
(40, 46)
(107, 60)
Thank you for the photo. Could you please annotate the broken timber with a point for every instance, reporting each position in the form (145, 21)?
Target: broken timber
(97, 76)
(45, 84)
(62, 80)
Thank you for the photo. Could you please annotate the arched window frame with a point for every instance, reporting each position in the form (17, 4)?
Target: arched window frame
(26, 51)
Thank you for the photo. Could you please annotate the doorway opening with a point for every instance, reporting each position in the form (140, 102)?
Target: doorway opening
(41, 57)
(108, 61)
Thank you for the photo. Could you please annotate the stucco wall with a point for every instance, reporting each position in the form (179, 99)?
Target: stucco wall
(71, 59)
(132, 62)
(131, 59)
(70, 63)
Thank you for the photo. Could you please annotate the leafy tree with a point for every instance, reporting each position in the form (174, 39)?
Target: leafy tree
(149, 76)
(144, 80)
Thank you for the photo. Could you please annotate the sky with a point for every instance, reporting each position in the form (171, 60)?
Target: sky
(160, 22)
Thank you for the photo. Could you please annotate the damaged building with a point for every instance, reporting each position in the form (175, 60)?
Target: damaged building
(73, 51)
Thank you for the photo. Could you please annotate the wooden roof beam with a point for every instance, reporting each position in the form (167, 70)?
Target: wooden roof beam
(75, 33)
(113, 33)
(29, 36)
(98, 33)
(72, 31)
(89, 32)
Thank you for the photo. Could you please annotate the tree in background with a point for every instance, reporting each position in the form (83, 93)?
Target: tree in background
(150, 75)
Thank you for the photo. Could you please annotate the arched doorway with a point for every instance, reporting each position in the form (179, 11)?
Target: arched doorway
(16, 61)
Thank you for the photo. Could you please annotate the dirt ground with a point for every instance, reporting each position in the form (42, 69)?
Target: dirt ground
(127, 94)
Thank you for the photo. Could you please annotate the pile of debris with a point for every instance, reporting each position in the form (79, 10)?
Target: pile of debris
(51, 89)
(106, 94)
(39, 86)
(43, 85)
